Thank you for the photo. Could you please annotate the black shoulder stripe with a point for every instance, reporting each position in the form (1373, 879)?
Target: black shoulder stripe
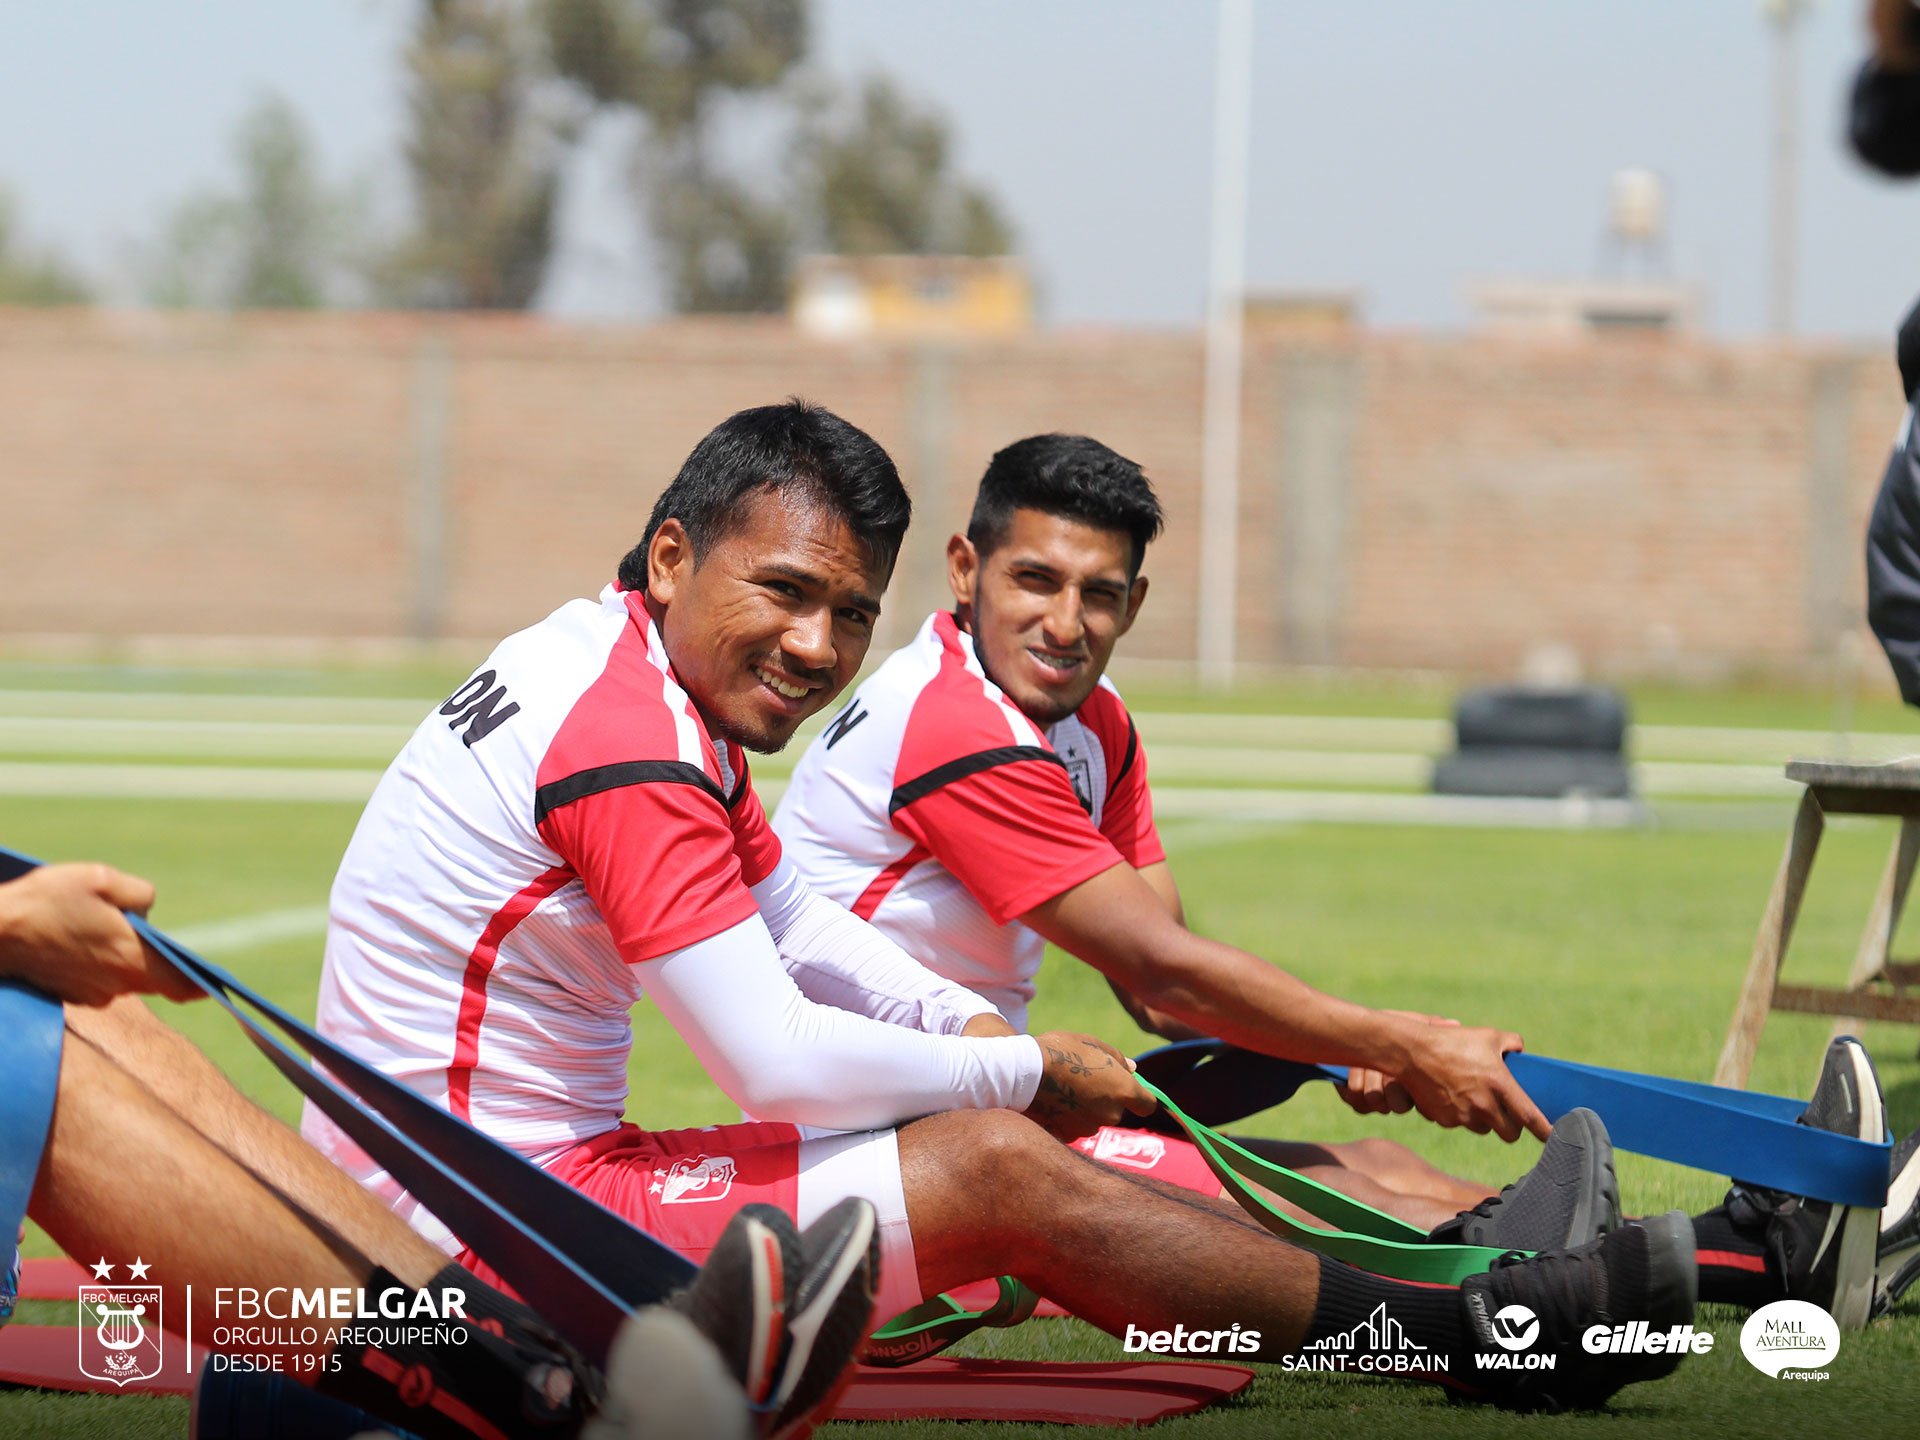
(739, 788)
(1126, 762)
(966, 765)
(549, 798)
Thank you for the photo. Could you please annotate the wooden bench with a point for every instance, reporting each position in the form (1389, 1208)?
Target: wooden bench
(1880, 987)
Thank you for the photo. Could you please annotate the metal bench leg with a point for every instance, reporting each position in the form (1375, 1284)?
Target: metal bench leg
(1770, 945)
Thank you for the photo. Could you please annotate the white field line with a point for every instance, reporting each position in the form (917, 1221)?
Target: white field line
(179, 705)
(185, 782)
(243, 932)
(77, 735)
(191, 726)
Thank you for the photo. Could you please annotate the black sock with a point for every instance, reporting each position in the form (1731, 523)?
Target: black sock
(1428, 1317)
(1733, 1263)
(507, 1371)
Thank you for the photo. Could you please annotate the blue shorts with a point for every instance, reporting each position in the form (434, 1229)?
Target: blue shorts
(31, 1030)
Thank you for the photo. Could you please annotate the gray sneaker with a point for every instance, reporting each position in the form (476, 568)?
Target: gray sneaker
(1569, 1198)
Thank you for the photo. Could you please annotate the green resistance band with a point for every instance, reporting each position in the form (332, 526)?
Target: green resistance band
(933, 1325)
(1372, 1240)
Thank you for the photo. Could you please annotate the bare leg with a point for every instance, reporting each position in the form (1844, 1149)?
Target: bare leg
(990, 1192)
(122, 1177)
(170, 1069)
(1377, 1170)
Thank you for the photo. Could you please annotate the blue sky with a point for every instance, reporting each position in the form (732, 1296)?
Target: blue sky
(1400, 150)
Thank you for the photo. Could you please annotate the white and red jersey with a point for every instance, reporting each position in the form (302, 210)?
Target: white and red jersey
(934, 808)
(488, 916)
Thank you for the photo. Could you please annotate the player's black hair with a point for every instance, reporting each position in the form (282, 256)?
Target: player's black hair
(795, 447)
(1070, 476)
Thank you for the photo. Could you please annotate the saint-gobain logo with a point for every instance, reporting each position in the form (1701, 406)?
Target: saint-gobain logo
(1790, 1336)
(702, 1177)
(120, 1334)
(1514, 1327)
(1124, 1147)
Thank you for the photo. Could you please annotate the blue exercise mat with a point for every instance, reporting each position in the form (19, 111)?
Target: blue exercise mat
(580, 1265)
(1738, 1133)
(31, 1032)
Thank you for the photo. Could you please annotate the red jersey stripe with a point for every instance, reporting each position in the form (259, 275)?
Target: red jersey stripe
(882, 884)
(473, 990)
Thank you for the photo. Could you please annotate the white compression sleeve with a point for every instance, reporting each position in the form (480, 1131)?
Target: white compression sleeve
(780, 1056)
(839, 959)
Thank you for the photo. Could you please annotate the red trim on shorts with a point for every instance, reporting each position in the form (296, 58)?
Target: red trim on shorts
(1731, 1260)
(473, 987)
(882, 884)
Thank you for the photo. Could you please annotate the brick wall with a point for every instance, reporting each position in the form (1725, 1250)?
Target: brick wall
(1447, 502)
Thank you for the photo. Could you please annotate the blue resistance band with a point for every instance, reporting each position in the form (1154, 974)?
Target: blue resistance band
(580, 1265)
(1738, 1133)
(31, 1032)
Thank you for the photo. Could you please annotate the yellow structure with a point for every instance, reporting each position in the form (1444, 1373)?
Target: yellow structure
(842, 296)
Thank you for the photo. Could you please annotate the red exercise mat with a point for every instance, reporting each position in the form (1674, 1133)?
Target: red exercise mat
(1040, 1392)
(48, 1356)
(55, 1279)
(1036, 1392)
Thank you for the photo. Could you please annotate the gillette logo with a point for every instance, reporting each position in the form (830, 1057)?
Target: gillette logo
(1636, 1337)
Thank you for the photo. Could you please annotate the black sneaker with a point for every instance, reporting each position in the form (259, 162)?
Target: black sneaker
(1898, 1263)
(1644, 1271)
(739, 1300)
(830, 1312)
(1568, 1198)
(1824, 1252)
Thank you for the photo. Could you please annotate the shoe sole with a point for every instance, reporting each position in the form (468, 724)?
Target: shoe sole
(773, 1249)
(665, 1378)
(1599, 1211)
(1898, 1265)
(834, 1310)
(1859, 1242)
(1673, 1287)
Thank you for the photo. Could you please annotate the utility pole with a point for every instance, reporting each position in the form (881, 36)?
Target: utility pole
(1226, 310)
(1783, 219)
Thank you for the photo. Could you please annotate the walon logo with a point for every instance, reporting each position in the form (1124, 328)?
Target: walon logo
(1514, 1329)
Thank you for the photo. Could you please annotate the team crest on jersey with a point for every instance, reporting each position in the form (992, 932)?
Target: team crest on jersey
(1129, 1147)
(1080, 771)
(701, 1177)
(120, 1335)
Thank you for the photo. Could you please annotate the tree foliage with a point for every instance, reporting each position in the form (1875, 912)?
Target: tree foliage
(284, 239)
(30, 276)
(484, 158)
(877, 179)
(726, 243)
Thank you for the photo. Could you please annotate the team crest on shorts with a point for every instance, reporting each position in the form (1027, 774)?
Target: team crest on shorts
(120, 1334)
(698, 1178)
(1128, 1147)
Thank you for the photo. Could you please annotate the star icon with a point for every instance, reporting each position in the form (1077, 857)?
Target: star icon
(102, 1270)
(137, 1270)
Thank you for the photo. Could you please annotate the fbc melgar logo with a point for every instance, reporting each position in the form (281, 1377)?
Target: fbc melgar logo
(1790, 1340)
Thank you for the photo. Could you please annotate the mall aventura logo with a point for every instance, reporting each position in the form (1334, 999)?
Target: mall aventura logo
(1790, 1340)
(1378, 1345)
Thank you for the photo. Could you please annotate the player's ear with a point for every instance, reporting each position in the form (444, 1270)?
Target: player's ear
(669, 561)
(1136, 597)
(963, 568)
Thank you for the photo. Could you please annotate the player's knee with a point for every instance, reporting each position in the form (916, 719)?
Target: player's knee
(1003, 1148)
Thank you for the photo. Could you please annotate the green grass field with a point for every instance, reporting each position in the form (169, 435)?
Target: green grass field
(1622, 947)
